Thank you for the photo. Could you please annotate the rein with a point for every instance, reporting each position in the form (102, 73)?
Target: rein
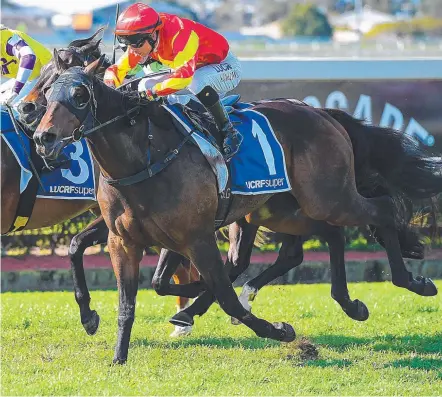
(79, 133)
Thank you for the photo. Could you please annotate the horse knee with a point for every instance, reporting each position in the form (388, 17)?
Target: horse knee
(159, 287)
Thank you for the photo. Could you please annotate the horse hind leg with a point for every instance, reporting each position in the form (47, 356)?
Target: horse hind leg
(283, 217)
(332, 197)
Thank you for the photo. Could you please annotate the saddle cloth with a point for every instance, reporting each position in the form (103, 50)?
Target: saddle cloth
(258, 167)
(77, 182)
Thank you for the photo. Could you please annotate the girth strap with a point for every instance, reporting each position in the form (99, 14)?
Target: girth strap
(150, 171)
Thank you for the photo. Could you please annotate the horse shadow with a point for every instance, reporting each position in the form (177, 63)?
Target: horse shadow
(414, 343)
(421, 344)
(252, 343)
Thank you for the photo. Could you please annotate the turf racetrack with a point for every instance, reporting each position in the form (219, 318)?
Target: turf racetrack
(397, 351)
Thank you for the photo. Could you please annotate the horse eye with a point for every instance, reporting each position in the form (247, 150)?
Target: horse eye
(80, 96)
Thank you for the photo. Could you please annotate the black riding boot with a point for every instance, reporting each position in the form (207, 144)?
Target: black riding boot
(232, 138)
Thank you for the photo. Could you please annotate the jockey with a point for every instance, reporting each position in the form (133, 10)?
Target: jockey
(22, 59)
(199, 60)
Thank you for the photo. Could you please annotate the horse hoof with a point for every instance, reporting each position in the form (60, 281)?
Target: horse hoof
(357, 311)
(179, 332)
(119, 361)
(424, 286)
(91, 325)
(182, 319)
(287, 332)
(235, 321)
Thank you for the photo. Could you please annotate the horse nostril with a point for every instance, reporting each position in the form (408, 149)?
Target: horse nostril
(28, 107)
(48, 138)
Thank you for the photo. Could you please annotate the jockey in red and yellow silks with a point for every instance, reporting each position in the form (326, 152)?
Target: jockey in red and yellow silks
(200, 60)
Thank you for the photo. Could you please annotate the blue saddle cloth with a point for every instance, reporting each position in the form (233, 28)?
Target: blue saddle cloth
(259, 166)
(74, 183)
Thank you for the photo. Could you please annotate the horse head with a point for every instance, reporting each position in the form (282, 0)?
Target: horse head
(70, 105)
(78, 53)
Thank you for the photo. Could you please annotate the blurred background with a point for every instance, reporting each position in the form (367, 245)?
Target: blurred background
(320, 28)
(380, 60)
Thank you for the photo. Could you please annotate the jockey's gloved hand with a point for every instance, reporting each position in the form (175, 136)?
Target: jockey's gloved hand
(8, 98)
(109, 78)
(109, 82)
(149, 95)
(145, 92)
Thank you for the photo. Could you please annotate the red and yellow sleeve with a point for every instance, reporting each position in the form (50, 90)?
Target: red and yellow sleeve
(117, 72)
(185, 46)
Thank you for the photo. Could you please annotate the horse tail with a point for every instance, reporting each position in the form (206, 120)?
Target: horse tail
(394, 155)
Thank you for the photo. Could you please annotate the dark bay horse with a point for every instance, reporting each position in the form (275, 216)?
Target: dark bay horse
(49, 212)
(239, 256)
(31, 109)
(176, 208)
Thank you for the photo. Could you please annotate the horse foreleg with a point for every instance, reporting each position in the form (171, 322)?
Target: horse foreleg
(205, 255)
(126, 263)
(95, 233)
(241, 238)
(183, 275)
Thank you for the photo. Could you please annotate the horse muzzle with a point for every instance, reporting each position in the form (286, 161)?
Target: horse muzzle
(47, 144)
(30, 113)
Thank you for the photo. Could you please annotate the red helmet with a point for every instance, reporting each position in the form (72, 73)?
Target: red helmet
(138, 18)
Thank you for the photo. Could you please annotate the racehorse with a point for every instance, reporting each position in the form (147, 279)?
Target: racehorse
(31, 110)
(176, 208)
(290, 254)
(48, 212)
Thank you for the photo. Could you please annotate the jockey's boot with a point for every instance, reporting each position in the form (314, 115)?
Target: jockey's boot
(232, 138)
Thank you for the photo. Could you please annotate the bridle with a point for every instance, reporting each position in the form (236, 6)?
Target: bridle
(61, 91)
(87, 112)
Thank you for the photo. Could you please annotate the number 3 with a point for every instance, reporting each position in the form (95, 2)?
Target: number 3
(84, 169)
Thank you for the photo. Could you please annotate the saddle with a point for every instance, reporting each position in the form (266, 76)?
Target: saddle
(203, 120)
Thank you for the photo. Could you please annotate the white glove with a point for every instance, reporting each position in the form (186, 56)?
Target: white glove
(8, 97)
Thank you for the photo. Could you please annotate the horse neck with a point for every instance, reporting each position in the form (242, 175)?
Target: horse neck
(119, 148)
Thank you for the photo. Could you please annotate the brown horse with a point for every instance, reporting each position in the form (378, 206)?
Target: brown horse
(176, 208)
(290, 254)
(48, 212)
(31, 109)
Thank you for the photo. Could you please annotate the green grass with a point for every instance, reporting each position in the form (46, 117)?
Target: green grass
(397, 351)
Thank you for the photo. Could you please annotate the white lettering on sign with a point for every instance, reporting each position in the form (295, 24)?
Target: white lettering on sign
(391, 116)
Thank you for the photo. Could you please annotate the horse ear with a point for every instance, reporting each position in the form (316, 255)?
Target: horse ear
(92, 68)
(83, 42)
(59, 63)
